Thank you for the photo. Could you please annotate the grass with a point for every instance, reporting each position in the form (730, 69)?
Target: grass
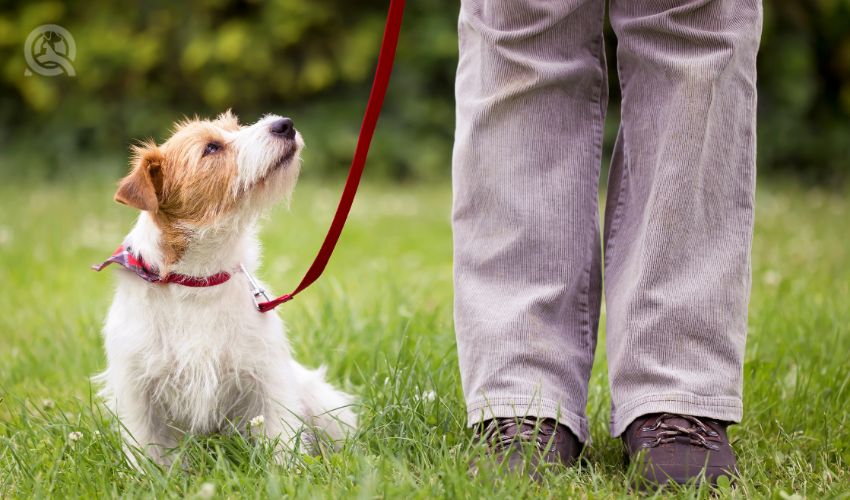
(381, 319)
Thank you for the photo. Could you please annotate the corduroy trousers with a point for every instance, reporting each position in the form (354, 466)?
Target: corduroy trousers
(531, 95)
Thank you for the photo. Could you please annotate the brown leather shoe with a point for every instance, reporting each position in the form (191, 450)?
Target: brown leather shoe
(680, 448)
(523, 445)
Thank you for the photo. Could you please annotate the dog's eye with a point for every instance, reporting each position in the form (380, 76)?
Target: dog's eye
(211, 148)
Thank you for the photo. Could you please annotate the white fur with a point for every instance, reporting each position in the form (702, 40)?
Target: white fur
(201, 360)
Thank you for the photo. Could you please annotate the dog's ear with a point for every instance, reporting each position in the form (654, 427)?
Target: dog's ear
(143, 186)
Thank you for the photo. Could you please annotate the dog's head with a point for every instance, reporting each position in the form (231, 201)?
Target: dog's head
(212, 177)
(209, 171)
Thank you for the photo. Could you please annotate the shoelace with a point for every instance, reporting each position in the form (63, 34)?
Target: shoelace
(696, 433)
(497, 432)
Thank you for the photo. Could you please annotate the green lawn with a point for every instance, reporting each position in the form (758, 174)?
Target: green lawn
(381, 319)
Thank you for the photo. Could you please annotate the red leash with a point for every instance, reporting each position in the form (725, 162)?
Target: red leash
(367, 129)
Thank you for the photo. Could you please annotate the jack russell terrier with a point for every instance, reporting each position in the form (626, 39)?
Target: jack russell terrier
(187, 349)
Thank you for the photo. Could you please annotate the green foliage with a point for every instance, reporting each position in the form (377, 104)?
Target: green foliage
(381, 319)
(804, 87)
(142, 65)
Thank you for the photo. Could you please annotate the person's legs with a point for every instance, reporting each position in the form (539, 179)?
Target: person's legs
(531, 99)
(679, 216)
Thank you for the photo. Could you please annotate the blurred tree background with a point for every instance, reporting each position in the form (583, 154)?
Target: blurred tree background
(142, 65)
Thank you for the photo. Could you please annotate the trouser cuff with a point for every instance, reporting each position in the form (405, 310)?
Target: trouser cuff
(722, 408)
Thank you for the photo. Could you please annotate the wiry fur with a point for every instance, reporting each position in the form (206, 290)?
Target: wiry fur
(201, 360)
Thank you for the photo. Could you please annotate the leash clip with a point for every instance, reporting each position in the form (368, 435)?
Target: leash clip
(256, 290)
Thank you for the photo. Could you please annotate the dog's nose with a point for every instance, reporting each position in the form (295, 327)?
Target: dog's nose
(284, 128)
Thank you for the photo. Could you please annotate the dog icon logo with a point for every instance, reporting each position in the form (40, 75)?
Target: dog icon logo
(50, 51)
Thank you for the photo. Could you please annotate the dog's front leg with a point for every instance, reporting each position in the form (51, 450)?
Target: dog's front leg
(143, 428)
(155, 444)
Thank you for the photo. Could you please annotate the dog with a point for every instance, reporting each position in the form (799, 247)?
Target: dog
(187, 349)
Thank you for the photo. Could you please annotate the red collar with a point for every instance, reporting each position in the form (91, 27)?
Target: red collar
(124, 257)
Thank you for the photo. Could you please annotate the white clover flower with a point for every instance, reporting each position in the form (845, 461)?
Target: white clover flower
(47, 404)
(97, 434)
(257, 422)
(75, 436)
(5, 236)
(772, 278)
(207, 490)
(425, 396)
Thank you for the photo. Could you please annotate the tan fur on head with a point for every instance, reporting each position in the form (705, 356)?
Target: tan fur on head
(199, 175)
(227, 121)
